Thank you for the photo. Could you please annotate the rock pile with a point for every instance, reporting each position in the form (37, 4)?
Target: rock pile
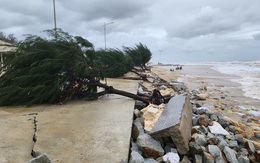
(213, 137)
(217, 138)
(162, 133)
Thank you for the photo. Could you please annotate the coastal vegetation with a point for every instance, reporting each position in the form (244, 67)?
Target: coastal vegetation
(10, 38)
(63, 67)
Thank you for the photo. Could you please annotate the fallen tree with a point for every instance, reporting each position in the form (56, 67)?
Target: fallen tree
(57, 69)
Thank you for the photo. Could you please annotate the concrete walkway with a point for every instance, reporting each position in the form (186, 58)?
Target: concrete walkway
(81, 131)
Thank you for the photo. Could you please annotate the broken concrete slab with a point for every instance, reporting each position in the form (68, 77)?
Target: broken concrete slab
(151, 114)
(79, 131)
(176, 121)
(216, 128)
(93, 131)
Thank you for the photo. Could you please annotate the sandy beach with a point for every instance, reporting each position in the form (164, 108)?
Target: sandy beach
(225, 95)
(219, 85)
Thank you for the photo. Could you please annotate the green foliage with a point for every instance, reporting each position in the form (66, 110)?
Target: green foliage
(114, 62)
(134, 54)
(61, 67)
(8, 38)
(145, 53)
(45, 70)
(140, 54)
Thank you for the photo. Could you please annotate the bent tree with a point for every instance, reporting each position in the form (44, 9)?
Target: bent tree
(55, 69)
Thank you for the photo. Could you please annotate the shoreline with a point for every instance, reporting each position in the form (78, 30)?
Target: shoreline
(219, 85)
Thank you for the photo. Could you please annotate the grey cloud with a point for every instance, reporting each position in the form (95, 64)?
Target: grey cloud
(214, 20)
(256, 36)
(112, 9)
(183, 28)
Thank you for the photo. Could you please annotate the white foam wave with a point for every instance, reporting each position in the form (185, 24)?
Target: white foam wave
(248, 73)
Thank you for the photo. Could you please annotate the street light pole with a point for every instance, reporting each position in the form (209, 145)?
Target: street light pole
(105, 33)
(54, 12)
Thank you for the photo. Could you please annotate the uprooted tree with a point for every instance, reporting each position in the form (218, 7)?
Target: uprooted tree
(59, 68)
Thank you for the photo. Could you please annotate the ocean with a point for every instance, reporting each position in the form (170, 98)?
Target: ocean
(247, 74)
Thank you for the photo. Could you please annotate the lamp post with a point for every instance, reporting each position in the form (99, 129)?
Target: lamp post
(105, 33)
(54, 13)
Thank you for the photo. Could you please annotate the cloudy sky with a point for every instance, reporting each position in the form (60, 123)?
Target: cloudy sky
(174, 30)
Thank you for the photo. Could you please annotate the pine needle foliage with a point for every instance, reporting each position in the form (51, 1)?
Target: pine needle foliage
(46, 70)
(140, 54)
(114, 62)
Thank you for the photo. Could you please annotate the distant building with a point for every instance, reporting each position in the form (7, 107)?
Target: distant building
(4, 47)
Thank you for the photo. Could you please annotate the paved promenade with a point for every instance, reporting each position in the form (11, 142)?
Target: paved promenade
(80, 131)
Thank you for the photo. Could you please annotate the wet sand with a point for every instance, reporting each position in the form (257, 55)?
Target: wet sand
(225, 96)
(219, 85)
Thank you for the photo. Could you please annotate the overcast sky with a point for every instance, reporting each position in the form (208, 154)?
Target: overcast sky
(183, 30)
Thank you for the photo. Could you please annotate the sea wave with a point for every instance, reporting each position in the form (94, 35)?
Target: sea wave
(248, 73)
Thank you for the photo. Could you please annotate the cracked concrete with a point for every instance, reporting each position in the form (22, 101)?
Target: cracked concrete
(15, 137)
(80, 131)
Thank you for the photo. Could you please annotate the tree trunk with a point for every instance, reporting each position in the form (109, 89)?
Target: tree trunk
(112, 90)
(143, 77)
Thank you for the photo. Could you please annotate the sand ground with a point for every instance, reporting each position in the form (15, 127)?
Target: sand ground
(225, 96)
(219, 85)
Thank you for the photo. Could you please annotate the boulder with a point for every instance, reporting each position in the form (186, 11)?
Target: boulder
(176, 122)
(201, 96)
(135, 157)
(244, 151)
(243, 159)
(224, 122)
(43, 158)
(197, 159)
(214, 151)
(230, 154)
(212, 140)
(134, 147)
(180, 88)
(138, 128)
(257, 135)
(195, 120)
(196, 149)
(199, 139)
(250, 147)
(203, 129)
(239, 138)
(233, 144)
(208, 158)
(149, 146)
(205, 121)
(213, 117)
(222, 143)
(185, 159)
(232, 128)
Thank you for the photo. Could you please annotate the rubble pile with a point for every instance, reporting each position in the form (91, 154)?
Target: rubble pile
(189, 129)
(162, 132)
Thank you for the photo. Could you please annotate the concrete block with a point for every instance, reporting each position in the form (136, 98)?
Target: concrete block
(43, 158)
(176, 121)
